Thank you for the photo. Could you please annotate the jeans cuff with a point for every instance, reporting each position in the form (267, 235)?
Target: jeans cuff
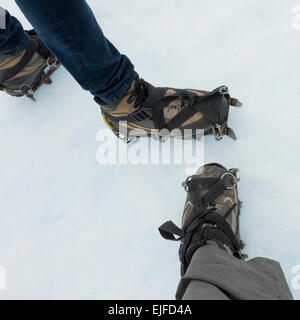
(13, 39)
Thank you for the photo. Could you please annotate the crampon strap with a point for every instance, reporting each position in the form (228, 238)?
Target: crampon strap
(11, 72)
(196, 104)
(42, 49)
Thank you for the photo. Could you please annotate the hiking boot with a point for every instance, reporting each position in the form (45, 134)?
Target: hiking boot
(25, 73)
(211, 214)
(162, 112)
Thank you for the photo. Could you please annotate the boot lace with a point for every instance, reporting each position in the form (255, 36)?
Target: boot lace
(139, 93)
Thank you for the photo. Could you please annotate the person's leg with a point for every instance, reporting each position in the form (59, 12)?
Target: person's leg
(199, 290)
(13, 39)
(214, 274)
(212, 264)
(70, 30)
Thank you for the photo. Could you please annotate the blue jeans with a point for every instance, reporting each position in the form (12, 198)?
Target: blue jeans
(70, 31)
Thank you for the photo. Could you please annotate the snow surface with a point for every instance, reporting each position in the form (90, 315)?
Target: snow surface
(71, 228)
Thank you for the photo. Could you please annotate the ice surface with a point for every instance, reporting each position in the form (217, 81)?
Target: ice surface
(71, 228)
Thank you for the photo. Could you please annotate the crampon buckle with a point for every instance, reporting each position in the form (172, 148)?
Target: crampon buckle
(224, 90)
(217, 131)
(234, 179)
(186, 183)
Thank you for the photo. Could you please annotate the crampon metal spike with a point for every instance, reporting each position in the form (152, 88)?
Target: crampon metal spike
(231, 134)
(48, 80)
(30, 96)
(235, 103)
(30, 92)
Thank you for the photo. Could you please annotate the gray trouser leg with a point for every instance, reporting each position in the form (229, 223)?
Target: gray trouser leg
(213, 274)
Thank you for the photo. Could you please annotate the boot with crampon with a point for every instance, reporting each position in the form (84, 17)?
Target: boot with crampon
(211, 214)
(23, 74)
(146, 110)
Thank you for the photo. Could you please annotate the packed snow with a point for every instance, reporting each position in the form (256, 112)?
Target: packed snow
(71, 228)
